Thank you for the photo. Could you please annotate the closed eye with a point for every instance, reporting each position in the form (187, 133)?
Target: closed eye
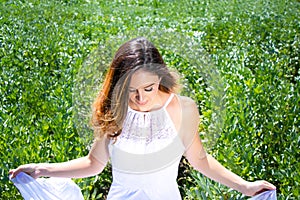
(148, 89)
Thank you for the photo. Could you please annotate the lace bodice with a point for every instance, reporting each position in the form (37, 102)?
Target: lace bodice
(146, 129)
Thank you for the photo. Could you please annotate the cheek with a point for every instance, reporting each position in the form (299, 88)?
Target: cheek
(131, 97)
(155, 89)
(153, 92)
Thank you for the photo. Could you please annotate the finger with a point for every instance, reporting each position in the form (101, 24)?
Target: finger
(13, 173)
(265, 186)
(10, 174)
(260, 191)
(269, 186)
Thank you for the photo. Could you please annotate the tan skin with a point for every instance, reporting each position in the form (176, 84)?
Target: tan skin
(145, 96)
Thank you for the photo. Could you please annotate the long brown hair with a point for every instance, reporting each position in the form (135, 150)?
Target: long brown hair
(108, 109)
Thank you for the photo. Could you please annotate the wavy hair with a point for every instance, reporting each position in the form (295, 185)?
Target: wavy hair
(110, 106)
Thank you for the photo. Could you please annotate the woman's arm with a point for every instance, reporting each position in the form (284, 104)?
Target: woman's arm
(207, 165)
(211, 168)
(89, 165)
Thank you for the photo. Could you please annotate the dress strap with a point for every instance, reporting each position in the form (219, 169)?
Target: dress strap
(169, 100)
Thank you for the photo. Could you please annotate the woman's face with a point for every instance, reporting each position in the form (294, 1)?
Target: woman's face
(143, 90)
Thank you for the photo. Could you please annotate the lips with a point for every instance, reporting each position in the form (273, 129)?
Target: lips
(141, 103)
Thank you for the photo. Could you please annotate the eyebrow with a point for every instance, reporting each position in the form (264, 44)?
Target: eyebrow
(144, 86)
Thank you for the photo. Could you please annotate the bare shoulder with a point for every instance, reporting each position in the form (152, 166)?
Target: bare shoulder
(188, 104)
(190, 119)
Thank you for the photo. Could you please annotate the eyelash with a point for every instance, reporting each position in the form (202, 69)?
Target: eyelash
(148, 89)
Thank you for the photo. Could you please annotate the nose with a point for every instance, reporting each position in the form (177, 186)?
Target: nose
(139, 95)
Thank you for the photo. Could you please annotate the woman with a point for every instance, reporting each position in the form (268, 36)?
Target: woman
(144, 128)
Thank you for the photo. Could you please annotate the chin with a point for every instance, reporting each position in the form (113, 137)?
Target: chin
(143, 109)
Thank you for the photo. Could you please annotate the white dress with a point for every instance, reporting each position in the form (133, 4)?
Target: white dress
(145, 157)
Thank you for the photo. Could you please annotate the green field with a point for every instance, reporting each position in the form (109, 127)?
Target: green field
(239, 60)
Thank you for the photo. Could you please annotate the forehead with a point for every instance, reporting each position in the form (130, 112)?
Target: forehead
(143, 78)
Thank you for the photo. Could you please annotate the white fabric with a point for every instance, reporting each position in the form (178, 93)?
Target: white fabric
(145, 157)
(267, 195)
(46, 188)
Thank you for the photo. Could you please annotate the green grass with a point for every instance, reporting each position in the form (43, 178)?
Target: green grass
(252, 46)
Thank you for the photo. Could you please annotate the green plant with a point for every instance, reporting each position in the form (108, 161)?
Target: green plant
(252, 45)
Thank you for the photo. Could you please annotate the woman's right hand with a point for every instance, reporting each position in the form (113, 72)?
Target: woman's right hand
(32, 169)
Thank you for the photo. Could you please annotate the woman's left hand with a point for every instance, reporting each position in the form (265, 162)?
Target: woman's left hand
(257, 187)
